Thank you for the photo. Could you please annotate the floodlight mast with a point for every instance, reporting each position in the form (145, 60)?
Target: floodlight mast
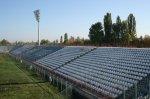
(37, 16)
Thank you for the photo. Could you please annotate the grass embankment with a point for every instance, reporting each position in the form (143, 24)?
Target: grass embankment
(18, 83)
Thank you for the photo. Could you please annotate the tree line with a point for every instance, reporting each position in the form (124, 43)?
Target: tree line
(106, 33)
(72, 40)
(4, 42)
(122, 32)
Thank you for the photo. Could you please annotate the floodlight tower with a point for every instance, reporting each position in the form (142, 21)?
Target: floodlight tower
(37, 16)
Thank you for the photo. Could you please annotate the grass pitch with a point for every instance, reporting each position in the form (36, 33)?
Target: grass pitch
(18, 83)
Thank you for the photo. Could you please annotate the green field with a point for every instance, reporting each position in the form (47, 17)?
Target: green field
(18, 83)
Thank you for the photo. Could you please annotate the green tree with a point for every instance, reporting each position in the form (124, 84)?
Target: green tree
(56, 41)
(108, 28)
(4, 42)
(126, 37)
(22, 43)
(141, 41)
(61, 39)
(71, 40)
(114, 34)
(65, 38)
(132, 26)
(118, 29)
(86, 42)
(79, 41)
(96, 33)
(44, 42)
(146, 41)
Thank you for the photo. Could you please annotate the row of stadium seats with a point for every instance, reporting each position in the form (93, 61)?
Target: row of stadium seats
(46, 50)
(32, 53)
(126, 56)
(62, 56)
(107, 69)
(15, 47)
(39, 52)
(5, 49)
(100, 71)
(129, 68)
(129, 51)
(19, 51)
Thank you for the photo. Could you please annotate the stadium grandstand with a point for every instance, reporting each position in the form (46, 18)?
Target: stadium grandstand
(90, 72)
(5, 49)
(38, 52)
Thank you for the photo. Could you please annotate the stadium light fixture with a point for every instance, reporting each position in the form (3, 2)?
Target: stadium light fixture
(37, 16)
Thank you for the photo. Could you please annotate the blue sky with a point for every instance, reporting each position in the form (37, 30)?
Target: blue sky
(17, 21)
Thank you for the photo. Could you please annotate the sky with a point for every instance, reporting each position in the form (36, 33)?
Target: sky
(18, 23)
